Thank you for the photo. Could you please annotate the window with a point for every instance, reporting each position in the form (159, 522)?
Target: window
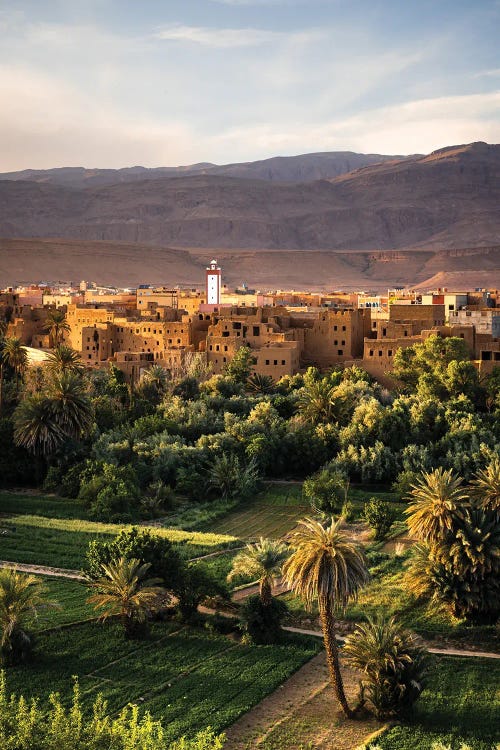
(237, 326)
(335, 328)
(344, 328)
(335, 343)
(380, 352)
(283, 362)
(384, 331)
(275, 361)
(340, 352)
(405, 333)
(371, 353)
(225, 348)
(343, 342)
(267, 361)
(389, 353)
(256, 331)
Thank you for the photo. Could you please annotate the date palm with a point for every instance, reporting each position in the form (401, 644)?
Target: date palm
(70, 404)
(124, 590)
(485, 488)
(438, 502)
(21, 597)
(15, 355)
(317, 402)
(328, 568)
(57, 325)
(35, 428)
(264, 561)
(64, 359)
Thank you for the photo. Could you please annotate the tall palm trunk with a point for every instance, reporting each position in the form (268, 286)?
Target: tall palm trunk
(332, 653)
(265, 592)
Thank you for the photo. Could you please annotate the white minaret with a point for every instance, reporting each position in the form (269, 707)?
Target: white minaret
(214, 278)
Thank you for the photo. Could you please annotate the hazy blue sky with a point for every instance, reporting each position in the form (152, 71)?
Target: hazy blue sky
(109, 83)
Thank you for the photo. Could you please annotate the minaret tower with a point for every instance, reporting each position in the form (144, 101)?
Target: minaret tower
(214, 277)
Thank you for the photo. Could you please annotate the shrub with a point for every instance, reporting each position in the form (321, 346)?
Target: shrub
(392, 663)
(326, 490)
(262, 622)
(380, 516)
(111, 494)
(141, 544)
(196, 583)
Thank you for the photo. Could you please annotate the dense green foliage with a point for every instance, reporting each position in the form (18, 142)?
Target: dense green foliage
(380, 516)
(26, 724)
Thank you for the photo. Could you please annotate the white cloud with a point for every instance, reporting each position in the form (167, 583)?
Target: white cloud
(493, 73)
(226, 38)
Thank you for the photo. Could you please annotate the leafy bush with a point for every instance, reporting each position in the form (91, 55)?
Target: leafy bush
(196, 583)
(380, 516)
(262, 622)
(111, 494)
(326, 490)
(141, 544)
(28, 725)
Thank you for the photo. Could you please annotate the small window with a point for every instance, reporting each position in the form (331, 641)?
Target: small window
(380, 352)
(256, 330)
(344, 328)
(389, 353)
(275, 361)
(335, 343)
(267, 361)
(283, 362)
(340, 352)
(371, 353)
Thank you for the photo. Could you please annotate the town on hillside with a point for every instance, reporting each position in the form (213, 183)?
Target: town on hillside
(286, 331)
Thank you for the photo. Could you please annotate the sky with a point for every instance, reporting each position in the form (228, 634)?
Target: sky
(117, 83)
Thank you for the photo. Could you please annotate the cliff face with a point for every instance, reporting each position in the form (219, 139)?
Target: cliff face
(450, 198)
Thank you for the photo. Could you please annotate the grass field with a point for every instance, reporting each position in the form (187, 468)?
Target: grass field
(188, 677)
(460, 704)
(271, 514)
(70, 597)
(63, 542)
(32, 503)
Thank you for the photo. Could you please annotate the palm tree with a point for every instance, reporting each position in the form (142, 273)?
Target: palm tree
(21, 596)
(156, 376)
(35, 428)
(326, 567)
(263, 561)
(123, 590)
(57, 325)
(486, 488)
(439, 500)
(392, 663)
(15, 355)
(64, 359)
(317, 402)
(70, 405)
(258, 383)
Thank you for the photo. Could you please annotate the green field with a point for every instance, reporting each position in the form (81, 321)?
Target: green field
(189, 678)
(270, 514)
(63, 542)
(70, 597)
(460, 704)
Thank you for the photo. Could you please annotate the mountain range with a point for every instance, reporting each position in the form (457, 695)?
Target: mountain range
(352, 220)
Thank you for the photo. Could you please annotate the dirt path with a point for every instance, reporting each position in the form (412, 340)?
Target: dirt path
(301, 713)
(43, 570)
